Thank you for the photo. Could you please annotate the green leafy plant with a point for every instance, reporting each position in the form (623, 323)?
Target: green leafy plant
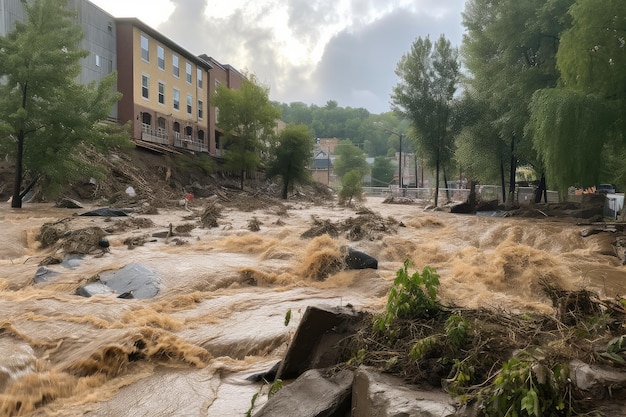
(527, 388)
(456, 328)
(411, 296)
(422, 347)
(614, 348)
(287, 317)
(276, 386)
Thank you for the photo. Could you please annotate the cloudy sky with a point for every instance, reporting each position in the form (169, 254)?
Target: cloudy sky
(305, 50)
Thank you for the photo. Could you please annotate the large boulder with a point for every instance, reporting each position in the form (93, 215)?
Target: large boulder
(378, 395)
(134, 279)
(316, 393)
(314, 345)
(359, 260)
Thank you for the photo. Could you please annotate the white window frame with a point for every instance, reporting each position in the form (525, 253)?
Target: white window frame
(145, 87)
(145, 52)
(200, 110)
(200, 76)
(188, 73)
(175, 66)
(189, 104)
(176, 99)
(161, 92)
(161, 57)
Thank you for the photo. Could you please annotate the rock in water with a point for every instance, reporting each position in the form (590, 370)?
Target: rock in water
(360, 260)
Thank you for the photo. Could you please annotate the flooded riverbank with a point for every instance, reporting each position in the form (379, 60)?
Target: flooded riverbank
(223, 294)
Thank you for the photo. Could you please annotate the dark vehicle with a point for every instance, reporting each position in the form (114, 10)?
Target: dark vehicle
(606, 189)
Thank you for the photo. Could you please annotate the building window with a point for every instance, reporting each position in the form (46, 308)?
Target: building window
(145, 86)
(161, 93)
(200, 109)
(188, 72)
(175, 68)
(189, 109)
(176, 99)
(161, 57)
(200, 78)
(217, 84)
(145, 52)
(98, 61)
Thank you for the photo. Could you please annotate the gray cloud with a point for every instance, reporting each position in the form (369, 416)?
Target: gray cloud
(357, 68)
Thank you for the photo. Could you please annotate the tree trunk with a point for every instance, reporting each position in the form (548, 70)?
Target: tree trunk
(243, 172)
(437, 182)
(16, 201)
(502, 181)
(445, 184)
(472, 195)
(285, 187)
(513, 169)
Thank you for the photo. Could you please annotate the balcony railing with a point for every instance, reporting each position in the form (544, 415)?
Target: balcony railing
(154, 135)
(188, 142)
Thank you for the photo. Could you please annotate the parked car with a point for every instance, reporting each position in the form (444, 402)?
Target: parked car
(606, 189)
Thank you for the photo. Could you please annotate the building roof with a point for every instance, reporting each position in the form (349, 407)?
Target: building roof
(214, 62)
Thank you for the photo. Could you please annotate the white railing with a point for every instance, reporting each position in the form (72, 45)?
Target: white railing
(188, 142)
(523, 195)
(154, 135)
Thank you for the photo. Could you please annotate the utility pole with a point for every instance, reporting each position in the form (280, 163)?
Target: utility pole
(399, 160)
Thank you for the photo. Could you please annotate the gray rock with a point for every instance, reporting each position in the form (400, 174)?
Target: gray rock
(592, 378)
(94, 288)
(43, 274)
(137, 279)
(314, 345)
(312, 395)
(377, 395)
(68, 203)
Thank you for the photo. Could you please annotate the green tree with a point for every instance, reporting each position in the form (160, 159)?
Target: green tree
(248, 120)
(349, 157)
(382, 171)
(351, 187)
(291, 156)
(429, 74)
(46, 117)
(510, 51)
(576, 124)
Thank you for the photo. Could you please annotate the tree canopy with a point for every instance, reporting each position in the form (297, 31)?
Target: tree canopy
(46, 117)
(291, 155)
(350, 158)
(510, 51)
(429, 77)
(578, 121)
(248, 120)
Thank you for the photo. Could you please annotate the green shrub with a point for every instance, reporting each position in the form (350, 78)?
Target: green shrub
(411, 296)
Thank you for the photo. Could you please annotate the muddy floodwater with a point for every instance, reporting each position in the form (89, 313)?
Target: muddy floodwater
(223, 292)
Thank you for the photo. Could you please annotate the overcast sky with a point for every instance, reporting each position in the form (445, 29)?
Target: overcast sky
(305, 50)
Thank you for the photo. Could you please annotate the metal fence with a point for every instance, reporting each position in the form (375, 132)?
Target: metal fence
(523, 195)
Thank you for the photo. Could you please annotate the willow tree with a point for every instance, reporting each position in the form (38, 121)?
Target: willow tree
(573, 123)
(248, 120)
(510, 49)
(46, 117)
(429, 76)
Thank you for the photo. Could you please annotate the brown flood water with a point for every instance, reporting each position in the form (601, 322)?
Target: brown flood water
(207, 329)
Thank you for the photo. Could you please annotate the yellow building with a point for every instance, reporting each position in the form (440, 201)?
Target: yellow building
(165, 89)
